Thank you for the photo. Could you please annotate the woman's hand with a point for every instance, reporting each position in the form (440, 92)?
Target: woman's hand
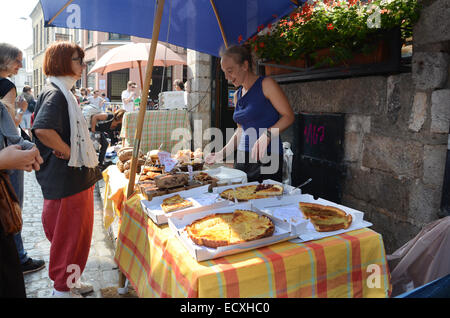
(23, 104)
(38, 159)
(213, 157)
(260, 147)
(13, 157)
(61, 155)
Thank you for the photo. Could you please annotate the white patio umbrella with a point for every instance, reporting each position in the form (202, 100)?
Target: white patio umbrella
(136, 55)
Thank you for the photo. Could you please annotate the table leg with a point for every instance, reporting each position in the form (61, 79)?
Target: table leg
(123, 284)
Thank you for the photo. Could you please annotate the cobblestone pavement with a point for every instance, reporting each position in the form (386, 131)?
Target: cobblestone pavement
(101, 270)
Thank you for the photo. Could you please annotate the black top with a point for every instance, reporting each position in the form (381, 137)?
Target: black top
(105, 125)
(5, 86)
(56, 178)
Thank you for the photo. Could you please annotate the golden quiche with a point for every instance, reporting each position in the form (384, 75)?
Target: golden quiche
(174, 203)
(325, 218)
(251, 192)
(223, 229)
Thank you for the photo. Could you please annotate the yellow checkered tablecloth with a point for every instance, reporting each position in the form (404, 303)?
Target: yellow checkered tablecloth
(169, 127)
(157, 264)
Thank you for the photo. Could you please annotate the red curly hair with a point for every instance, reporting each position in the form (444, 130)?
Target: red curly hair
(58, 58)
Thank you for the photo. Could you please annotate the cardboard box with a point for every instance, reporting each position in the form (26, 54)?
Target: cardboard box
(287, 207)
(198, 196)
(283, 232)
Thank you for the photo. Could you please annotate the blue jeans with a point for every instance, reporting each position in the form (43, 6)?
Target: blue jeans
(17, 181)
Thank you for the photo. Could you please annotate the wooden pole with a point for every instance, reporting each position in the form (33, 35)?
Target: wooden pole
(224, 37)
(144, 98)
(140, 76)
(143, 108)
(59, 12)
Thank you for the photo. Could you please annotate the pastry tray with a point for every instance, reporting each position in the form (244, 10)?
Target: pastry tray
(155, 192)
(198, 196)
(288, 210)
(283, 232)
(288, 190)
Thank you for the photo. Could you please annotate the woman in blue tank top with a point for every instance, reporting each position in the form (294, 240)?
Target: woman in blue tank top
(262, 112)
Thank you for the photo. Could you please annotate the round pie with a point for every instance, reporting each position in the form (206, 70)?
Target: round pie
(222, 229)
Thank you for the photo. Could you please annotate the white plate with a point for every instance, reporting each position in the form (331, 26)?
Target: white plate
(227, 175)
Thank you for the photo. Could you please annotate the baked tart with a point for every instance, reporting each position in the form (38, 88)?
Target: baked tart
(325, 218)
(251, 192)
(223, 229)
(175, 203)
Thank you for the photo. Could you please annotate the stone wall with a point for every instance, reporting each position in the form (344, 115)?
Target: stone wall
(396, 132)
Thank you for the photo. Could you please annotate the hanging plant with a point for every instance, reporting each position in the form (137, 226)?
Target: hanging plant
(345, 27)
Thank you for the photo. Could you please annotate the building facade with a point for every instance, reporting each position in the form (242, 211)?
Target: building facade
(96, 44)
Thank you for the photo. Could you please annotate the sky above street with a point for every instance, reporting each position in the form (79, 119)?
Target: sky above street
(15, 22)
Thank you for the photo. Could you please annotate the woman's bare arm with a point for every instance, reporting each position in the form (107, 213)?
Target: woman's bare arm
(51, 139)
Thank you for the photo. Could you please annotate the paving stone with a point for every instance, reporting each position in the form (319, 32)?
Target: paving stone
(101, 270)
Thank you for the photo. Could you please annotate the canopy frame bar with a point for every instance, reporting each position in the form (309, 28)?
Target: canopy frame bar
(59, 12)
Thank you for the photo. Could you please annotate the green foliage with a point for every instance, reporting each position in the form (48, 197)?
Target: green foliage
(343, 26)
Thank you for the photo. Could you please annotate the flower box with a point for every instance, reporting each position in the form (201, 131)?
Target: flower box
(271, 67)
(386, 51)
(332, 33)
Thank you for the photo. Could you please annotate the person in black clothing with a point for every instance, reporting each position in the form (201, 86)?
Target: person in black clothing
(15, 153)
(10, 63)
(105, 125)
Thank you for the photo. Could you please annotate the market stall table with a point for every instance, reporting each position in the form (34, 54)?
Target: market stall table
(157, 264)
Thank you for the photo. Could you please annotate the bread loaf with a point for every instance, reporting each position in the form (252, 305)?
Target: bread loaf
(123, 149)
(126, 155)
(171, 180)
(127, 164)
(119, 165)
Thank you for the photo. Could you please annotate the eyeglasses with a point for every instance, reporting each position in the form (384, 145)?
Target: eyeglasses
(79, 59)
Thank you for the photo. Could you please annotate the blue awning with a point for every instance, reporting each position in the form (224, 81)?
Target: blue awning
(193, 23)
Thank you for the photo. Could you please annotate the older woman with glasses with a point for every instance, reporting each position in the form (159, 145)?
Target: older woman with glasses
(10, 63)
(69, 171)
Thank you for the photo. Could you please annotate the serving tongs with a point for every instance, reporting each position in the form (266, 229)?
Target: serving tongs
(292, 191)
(303, 184)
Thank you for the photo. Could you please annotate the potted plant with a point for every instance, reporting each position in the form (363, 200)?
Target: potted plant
(333, 32)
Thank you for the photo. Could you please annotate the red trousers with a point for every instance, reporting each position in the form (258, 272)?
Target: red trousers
(68, 224)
